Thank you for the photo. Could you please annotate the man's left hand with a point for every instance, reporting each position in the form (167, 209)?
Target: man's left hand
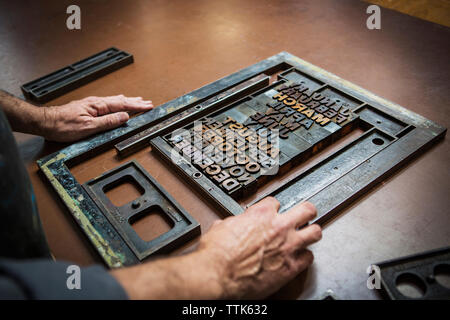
(81, 118)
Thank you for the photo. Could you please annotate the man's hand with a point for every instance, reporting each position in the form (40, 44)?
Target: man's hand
(259, 251)
(247, 256)
(72, 121)
(82, 118)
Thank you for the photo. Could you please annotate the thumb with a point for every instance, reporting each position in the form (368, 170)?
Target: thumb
(110, 121)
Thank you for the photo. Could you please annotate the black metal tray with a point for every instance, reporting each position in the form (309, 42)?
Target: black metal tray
(75, 75)
(420, 271)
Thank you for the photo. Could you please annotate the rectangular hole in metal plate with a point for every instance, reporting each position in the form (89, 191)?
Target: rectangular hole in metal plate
(275, 70)
(341, 99)
(151, 223)
(381, 120)
(405, 131)
(123, 191)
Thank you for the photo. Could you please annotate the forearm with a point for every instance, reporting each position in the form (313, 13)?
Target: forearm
(23, 116)
(74, 120)
(247, 256)
(192, 276)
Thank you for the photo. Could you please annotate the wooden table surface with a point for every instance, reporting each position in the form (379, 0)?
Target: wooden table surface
(180, 46)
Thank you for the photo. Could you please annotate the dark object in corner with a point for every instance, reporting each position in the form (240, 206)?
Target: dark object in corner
(423, 276)
(75, 75)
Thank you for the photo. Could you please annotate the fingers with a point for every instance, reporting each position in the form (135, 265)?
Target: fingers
(304, 259)
(137, 104)
(307, 236)
(267, 204)
(300, 214)
(105, 105)
(109, 121)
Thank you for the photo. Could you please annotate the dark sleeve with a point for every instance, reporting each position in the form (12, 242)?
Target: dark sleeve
(46, 279)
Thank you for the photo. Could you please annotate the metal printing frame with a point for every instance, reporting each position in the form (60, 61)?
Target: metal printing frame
(114, 251)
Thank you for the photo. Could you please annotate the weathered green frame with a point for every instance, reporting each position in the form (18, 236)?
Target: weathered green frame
(102, 234)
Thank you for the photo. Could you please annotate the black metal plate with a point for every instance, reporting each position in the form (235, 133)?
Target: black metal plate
(154, 196)
(419, 269)
(75, 75)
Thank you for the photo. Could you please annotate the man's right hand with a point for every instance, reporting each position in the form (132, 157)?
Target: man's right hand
(259, 251)
(248, 256)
